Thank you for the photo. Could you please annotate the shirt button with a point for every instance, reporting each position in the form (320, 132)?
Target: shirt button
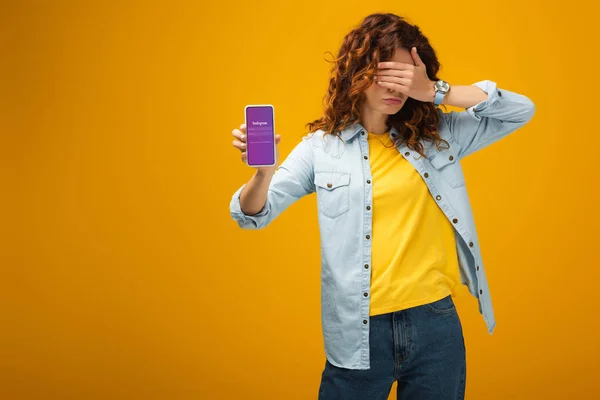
(451, 158)
(366, 266)
(499, 93)
(366, 158)
(365, 294)
(368, 237)
(480, 291)
(438, 197)
(470, 244)
(478, 268)
(362, 133)
(455, 220)
(329, 185)
(368, 181)
(368, 207)
(364, 321)
(426, 175)
(407, 153)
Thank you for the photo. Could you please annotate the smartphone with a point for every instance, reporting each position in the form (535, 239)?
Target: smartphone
(260, 135)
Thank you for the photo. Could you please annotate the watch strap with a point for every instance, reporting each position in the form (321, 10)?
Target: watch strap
(439, 96)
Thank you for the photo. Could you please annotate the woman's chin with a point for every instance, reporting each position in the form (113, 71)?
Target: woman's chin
(394, 111)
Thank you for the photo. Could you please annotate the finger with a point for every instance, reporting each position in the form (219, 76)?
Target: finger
(243, 128)
(244, 156)
(394, 86)
(239, 135)
(239, 145)
(395, 79)
(393, 65)
(277, 139)
(394, 72)
(416, 57)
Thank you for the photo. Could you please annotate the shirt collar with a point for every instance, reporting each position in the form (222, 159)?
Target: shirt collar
(357, 128)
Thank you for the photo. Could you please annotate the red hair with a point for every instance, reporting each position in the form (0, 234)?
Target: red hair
(352, 73)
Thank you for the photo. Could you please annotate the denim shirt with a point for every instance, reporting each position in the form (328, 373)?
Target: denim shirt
(340, 174)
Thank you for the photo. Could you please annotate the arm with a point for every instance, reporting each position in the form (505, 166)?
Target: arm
(490, 115)
(464, 96)
(265, 197)
(254, 194)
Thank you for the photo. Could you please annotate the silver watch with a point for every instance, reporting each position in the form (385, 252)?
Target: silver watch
(441, 88)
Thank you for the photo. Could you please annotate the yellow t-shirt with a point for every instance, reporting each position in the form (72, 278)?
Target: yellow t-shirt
(414, 259)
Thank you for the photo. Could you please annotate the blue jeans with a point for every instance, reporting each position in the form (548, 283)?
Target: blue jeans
(421, 347)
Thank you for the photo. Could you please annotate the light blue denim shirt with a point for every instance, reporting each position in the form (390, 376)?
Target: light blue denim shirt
(340, 174)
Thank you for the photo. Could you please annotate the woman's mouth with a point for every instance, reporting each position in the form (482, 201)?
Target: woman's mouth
(394, 100)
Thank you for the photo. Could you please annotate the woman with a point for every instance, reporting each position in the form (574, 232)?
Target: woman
(397, 230)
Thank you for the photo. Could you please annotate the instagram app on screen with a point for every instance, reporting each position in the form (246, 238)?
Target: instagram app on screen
(260, 135)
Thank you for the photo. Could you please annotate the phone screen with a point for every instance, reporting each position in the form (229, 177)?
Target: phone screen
(260, 135)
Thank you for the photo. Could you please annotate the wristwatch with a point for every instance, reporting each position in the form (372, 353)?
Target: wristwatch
(441, 88)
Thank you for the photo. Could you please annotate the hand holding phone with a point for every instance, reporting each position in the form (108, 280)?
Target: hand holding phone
(240, 143)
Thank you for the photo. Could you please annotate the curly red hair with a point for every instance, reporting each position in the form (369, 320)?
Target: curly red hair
(352, 73)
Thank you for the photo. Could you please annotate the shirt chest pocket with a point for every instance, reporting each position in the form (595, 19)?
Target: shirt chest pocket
(446, 162)
(333, 192)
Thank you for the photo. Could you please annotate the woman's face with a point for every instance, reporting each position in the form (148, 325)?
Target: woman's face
(376, 95)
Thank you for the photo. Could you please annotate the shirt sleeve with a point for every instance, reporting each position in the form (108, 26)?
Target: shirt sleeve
(292, 180)
(488, 121)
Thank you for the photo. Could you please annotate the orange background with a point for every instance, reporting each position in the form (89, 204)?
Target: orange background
(122, 273)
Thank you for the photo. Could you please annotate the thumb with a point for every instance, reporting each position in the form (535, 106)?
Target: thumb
(416, 57)
(277, 139)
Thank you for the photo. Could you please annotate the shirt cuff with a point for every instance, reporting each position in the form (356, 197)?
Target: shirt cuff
(492, 91)
(237, 213)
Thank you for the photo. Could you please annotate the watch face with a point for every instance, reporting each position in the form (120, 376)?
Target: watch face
(442, 86)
